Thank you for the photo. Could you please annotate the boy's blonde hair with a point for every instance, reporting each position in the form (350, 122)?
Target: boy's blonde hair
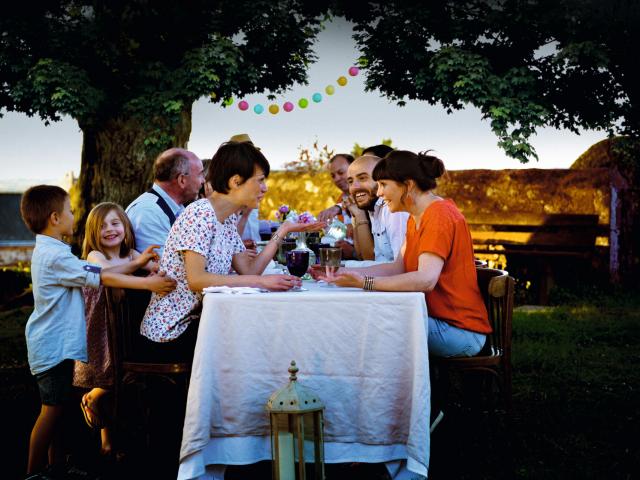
(94, 226)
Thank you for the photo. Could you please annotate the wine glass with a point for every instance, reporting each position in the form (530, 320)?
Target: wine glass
(286, 246)
(298, 262)
(315, 247)
(330, 259)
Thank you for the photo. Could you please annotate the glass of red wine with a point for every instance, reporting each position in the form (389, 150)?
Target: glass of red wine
(298, 262)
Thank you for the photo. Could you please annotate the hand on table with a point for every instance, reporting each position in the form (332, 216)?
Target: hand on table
(345, 278)
(317, 272)
(280, 283)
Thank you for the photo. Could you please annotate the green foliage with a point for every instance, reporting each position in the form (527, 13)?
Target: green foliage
(567, 64)
(99, 61)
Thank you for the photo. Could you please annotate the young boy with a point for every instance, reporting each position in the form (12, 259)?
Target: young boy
(56, 330)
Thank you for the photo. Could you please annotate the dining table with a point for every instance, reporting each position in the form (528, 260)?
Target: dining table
(364, 353)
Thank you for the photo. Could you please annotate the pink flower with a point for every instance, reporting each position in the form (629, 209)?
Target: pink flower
(306, 217)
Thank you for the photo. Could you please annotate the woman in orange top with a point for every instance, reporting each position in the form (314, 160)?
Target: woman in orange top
(436, 258)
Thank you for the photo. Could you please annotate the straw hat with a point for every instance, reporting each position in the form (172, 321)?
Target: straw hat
(241, 138)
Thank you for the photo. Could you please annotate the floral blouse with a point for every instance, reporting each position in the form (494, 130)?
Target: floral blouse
(196, 229)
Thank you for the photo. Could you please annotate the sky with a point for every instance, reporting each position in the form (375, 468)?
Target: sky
(35, 153)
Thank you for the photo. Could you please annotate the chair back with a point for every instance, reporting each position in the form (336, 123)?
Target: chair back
(126, 309)
(497, 289)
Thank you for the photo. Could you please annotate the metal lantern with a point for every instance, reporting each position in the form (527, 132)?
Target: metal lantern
(295, 414)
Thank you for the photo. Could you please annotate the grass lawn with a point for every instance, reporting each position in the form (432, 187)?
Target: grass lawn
(576, 400)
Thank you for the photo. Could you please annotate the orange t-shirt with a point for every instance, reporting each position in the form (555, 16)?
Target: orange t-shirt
(456, 297)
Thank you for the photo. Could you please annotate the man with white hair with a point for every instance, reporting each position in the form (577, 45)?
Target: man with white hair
(178, 177)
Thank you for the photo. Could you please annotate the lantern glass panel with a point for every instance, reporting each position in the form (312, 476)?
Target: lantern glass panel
(288, 454)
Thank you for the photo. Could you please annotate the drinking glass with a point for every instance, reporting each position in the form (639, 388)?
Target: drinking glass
(315, 247)
(298, 262)
(330, 259)
(285, 246)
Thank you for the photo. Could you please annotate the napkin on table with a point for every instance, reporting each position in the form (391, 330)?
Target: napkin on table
(232, 290)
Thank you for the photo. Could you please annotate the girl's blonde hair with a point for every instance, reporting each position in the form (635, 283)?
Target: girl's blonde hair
(94, 226)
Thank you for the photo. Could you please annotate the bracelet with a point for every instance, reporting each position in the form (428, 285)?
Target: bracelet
(368, 283)
(276, 238)
(364, 222)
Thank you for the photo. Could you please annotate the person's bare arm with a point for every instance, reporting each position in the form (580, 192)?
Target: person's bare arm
(199, 279)
(422, 280)
(139, 261)
(246, 265)
(156, 283)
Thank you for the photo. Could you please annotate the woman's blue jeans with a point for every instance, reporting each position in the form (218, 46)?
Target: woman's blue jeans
(448, 341)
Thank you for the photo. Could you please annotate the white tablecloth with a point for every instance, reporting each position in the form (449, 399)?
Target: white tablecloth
(364, 353)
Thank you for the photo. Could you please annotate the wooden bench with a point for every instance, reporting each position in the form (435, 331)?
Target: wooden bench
(540, 239)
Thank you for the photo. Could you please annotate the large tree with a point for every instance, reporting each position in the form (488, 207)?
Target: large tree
(524, 63)
(129, 72)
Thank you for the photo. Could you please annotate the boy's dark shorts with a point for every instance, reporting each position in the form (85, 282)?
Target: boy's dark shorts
(55, 384)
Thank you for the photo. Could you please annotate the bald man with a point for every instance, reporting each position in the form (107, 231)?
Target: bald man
(378, 234)
(178, 176)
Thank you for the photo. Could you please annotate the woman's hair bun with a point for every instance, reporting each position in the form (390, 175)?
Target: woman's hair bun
(431, 165)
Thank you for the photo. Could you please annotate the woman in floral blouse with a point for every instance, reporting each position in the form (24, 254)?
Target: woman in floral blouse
(204, 245)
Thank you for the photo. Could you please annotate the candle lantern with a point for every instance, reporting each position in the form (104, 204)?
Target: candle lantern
(296, 418)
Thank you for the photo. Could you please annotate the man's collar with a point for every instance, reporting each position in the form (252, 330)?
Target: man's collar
(175, 206)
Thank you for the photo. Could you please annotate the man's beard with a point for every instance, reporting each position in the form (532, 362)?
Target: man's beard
(370, 204)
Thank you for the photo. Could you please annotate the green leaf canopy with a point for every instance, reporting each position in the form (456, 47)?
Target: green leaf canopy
(524, 63)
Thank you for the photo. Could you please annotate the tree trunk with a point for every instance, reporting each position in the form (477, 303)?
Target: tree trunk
(117, 165)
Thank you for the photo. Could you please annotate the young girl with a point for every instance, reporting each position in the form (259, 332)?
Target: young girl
(109, 242)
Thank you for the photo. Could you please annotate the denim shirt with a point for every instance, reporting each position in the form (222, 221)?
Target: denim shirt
(56, 330)
(388, 230)
(150, 224)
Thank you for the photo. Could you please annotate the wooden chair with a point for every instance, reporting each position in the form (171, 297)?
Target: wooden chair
(125, 311)
(497, 289)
